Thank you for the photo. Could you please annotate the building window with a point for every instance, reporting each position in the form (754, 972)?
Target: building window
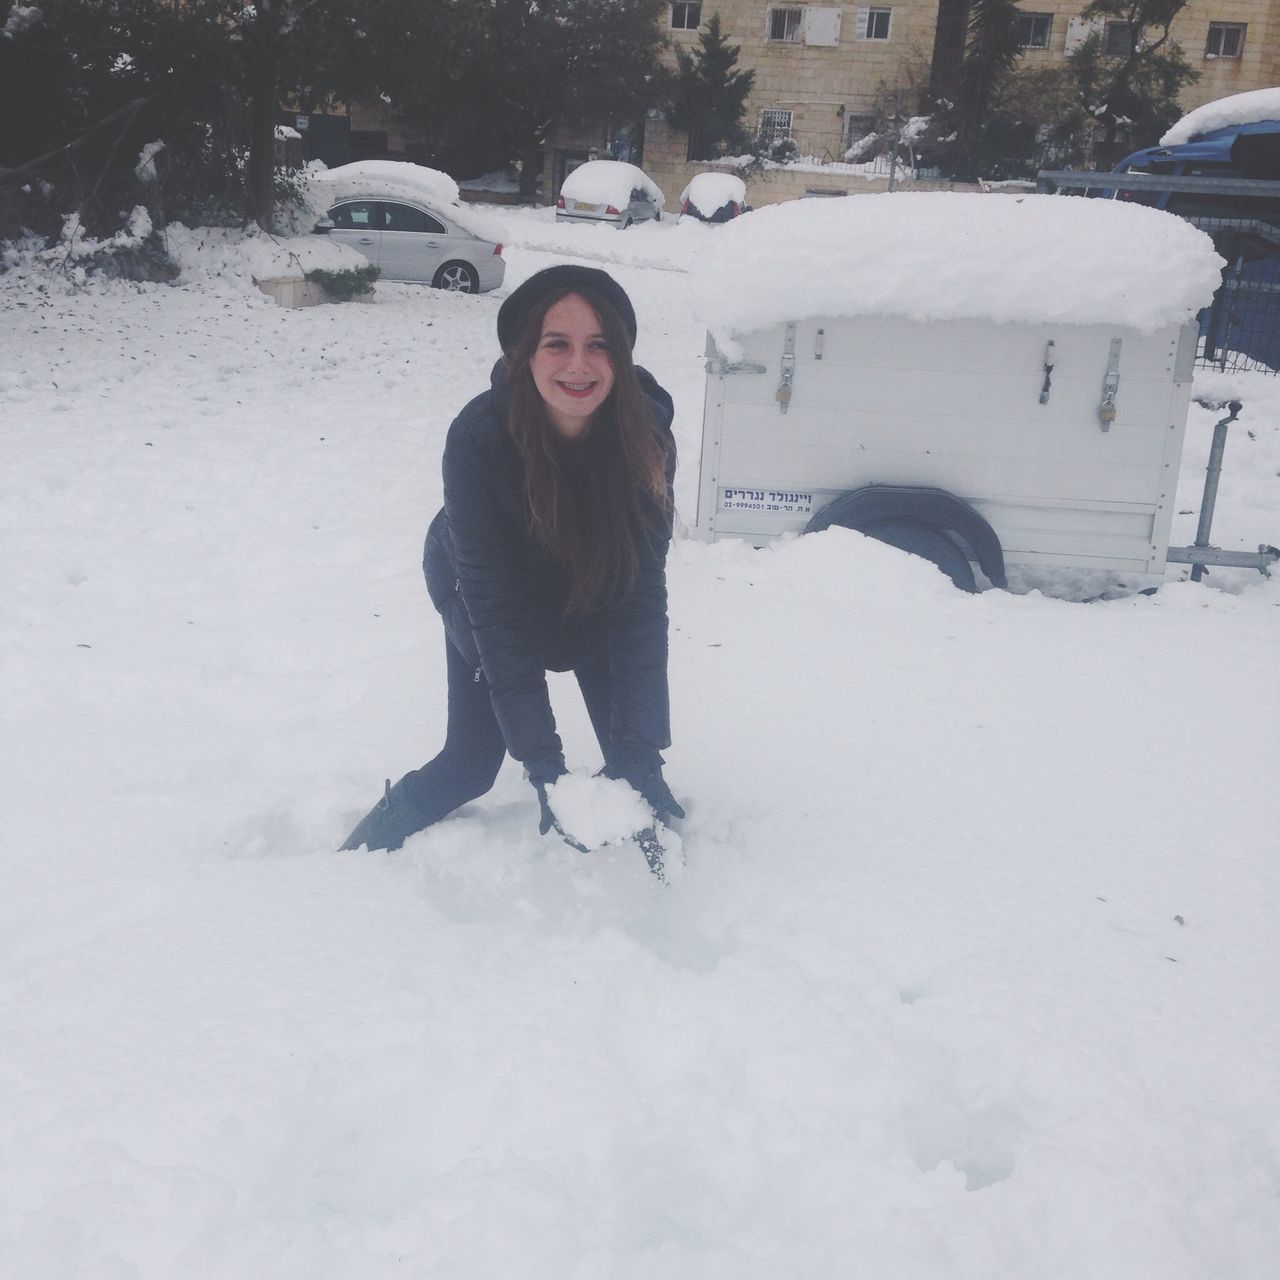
(1117, 40)
(686, 17)
(773, 125)
(1226, 40)
(785, 24)
(1033, 30)
(876, 26)
(857, 125)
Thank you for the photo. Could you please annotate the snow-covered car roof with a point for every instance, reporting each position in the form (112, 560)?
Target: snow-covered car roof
(1239, 108)
(950, 255)
(403, 180)
(711, 190)
(609, 182)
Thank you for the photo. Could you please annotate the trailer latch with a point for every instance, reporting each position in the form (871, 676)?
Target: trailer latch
(720, 366)
(788, 366)
(1048, 372)
(1110, 385)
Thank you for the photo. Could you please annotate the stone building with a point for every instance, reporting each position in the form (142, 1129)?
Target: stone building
(1234, 44)
(827, 74)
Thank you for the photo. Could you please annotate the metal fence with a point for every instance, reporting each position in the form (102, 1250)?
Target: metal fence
(1240, 329)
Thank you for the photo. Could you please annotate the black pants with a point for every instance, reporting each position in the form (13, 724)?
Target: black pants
(473, 746)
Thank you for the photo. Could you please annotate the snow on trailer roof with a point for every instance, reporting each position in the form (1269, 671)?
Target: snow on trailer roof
(949, 256)
(403, 180)
(1239, 108)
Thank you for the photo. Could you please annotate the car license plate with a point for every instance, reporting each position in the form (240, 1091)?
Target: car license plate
(586, 208)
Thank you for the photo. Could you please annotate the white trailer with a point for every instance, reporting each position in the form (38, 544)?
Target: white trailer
(953, 405)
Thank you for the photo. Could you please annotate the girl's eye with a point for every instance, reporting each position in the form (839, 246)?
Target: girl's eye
(600, 345)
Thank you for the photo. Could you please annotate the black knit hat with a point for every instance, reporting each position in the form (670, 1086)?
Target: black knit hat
(515, 311)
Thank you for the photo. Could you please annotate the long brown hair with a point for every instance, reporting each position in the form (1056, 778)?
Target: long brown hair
(590, 523)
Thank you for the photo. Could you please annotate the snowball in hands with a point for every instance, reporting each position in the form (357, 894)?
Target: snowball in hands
(598, 811)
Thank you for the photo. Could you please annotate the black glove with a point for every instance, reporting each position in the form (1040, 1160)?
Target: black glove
(541, 775)
(647, 779)
(546, 818)
(390, 822)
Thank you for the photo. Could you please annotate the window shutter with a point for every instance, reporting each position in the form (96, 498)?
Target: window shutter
(1079, 30)
(821, 26)
(861, 32)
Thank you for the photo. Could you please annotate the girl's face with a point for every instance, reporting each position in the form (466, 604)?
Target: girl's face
(571, 367)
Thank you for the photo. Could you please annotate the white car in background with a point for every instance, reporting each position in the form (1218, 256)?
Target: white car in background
(409, 222)
(609, 191)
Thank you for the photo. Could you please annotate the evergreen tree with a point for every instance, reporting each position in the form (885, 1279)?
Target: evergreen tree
(1134, 92)
(708, 97)
(991, 50)
(85, 87)
(511, 70)
(302, 49)
(92, 84)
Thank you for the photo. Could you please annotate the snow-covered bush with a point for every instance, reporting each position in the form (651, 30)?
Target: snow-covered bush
(776, 150)
(135, 252)
(344, 284)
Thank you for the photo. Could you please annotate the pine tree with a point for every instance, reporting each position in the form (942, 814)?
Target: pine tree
(1137, 91)
(93, 83)
(512, 70)
(709, 97)
(991, 50)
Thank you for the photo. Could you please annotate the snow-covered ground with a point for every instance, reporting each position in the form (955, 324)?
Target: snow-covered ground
(972, 973)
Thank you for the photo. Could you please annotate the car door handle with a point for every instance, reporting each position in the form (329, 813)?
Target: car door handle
(366, 239)
(433, 244)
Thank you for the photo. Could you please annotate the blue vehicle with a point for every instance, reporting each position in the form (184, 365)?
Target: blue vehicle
(1243, 325)
(1234, 151)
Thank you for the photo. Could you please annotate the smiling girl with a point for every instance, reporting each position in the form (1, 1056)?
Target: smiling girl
(550, 555)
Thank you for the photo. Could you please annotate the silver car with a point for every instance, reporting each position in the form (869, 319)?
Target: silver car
(609, 191)
(406, 240)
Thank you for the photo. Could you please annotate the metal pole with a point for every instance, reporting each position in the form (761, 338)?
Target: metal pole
(897, 137)
(1211, 475)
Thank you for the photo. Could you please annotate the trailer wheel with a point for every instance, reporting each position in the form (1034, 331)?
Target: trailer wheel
(928, 543)
(936, 525)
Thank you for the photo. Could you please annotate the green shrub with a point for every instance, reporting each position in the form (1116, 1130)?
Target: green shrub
(342, 286)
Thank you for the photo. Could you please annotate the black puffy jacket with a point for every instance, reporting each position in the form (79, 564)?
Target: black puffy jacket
(502, 596)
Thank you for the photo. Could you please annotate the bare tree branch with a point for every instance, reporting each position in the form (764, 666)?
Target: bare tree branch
(10, 176)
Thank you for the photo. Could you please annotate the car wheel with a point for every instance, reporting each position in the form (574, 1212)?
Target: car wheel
(457, 277)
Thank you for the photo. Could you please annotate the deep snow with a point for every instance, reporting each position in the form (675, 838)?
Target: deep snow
(972, 971)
